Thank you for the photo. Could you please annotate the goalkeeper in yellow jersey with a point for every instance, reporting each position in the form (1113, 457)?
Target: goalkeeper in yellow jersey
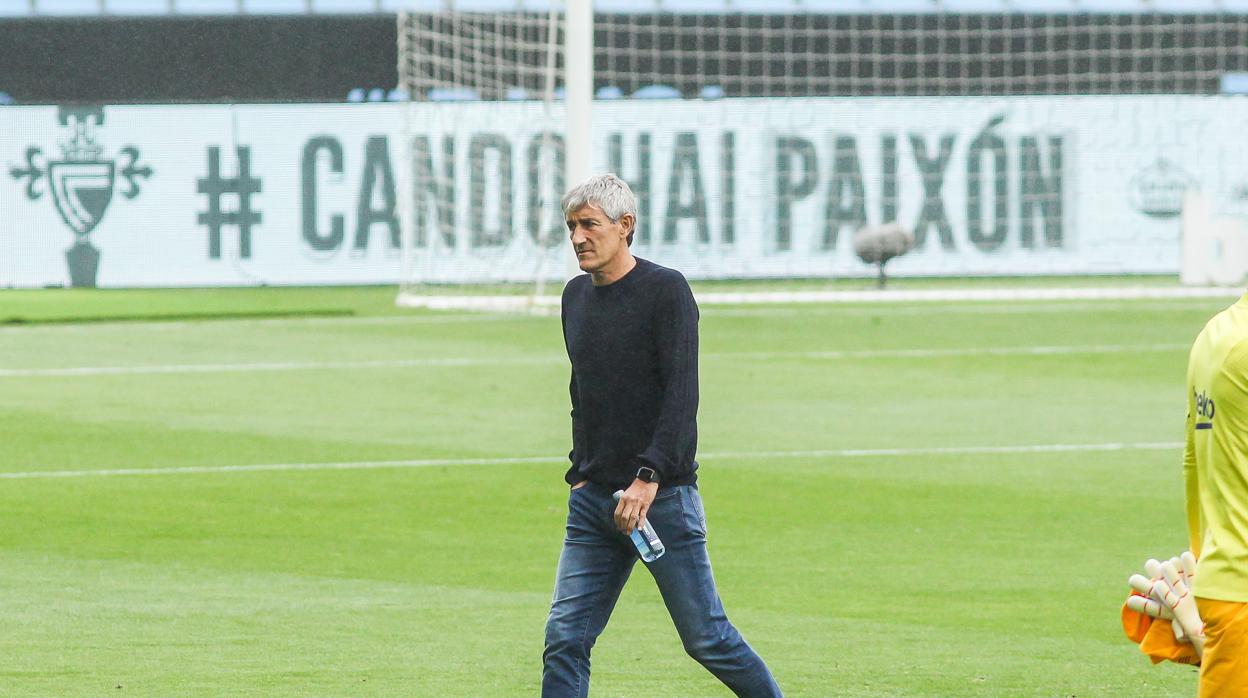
(1215, 470)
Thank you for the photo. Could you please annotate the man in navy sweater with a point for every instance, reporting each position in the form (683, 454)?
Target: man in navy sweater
(631, 331)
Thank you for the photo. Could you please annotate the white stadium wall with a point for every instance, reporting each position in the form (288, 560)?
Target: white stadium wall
(731, 188)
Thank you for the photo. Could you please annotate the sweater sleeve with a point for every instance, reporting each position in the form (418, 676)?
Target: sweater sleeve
(578, 427)
(672, 447)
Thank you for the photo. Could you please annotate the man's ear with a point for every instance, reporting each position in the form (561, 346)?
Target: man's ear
(629, 221)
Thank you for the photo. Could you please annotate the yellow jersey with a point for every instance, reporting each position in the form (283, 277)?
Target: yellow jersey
(1215, 459)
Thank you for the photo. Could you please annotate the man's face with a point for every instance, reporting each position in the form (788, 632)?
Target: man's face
(596, 239)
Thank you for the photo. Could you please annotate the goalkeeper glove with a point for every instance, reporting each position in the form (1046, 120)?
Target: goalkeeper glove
(1168, 595)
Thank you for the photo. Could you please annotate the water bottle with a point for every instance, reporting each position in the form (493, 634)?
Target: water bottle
(647, 541)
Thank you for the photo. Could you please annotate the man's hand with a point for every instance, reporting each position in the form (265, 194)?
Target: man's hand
(634, 504)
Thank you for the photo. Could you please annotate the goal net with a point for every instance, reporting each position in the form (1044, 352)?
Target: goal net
(484, 151)
(761, 138)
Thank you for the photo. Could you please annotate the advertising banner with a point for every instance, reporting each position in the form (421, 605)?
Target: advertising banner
(117, 196)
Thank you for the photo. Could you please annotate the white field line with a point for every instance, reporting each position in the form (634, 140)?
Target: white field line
(971, 351)
(180, 325)
(558, 359)
(971, 294)
(275, 366)
(947, 450)
(461, 462)
(864, 296)
(968, 308)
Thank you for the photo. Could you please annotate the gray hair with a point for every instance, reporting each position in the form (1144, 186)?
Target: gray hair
(606, 191)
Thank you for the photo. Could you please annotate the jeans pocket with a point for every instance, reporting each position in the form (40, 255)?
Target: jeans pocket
(666, 492)
(691, 506)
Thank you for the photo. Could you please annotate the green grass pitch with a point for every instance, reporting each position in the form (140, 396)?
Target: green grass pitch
(873, 530)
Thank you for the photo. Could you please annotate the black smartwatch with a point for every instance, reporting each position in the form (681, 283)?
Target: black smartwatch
(646, 474)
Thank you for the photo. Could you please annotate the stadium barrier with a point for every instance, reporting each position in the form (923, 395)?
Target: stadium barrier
(122, 196)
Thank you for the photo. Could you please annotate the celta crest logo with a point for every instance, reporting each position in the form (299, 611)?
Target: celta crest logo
(1157, 190)
(82, 184)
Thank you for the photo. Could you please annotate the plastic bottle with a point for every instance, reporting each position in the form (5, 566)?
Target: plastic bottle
(647, 541)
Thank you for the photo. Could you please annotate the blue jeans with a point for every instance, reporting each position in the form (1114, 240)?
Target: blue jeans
(593, 567)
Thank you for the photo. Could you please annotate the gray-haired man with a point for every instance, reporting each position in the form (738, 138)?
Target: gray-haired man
(631, 330)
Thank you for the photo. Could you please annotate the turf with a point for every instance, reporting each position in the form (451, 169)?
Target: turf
(24, 306)
(910, 571)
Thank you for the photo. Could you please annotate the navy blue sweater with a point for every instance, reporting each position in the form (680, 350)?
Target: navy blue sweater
(634, 351)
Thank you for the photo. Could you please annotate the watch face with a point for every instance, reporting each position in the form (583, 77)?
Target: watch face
(647, 475)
